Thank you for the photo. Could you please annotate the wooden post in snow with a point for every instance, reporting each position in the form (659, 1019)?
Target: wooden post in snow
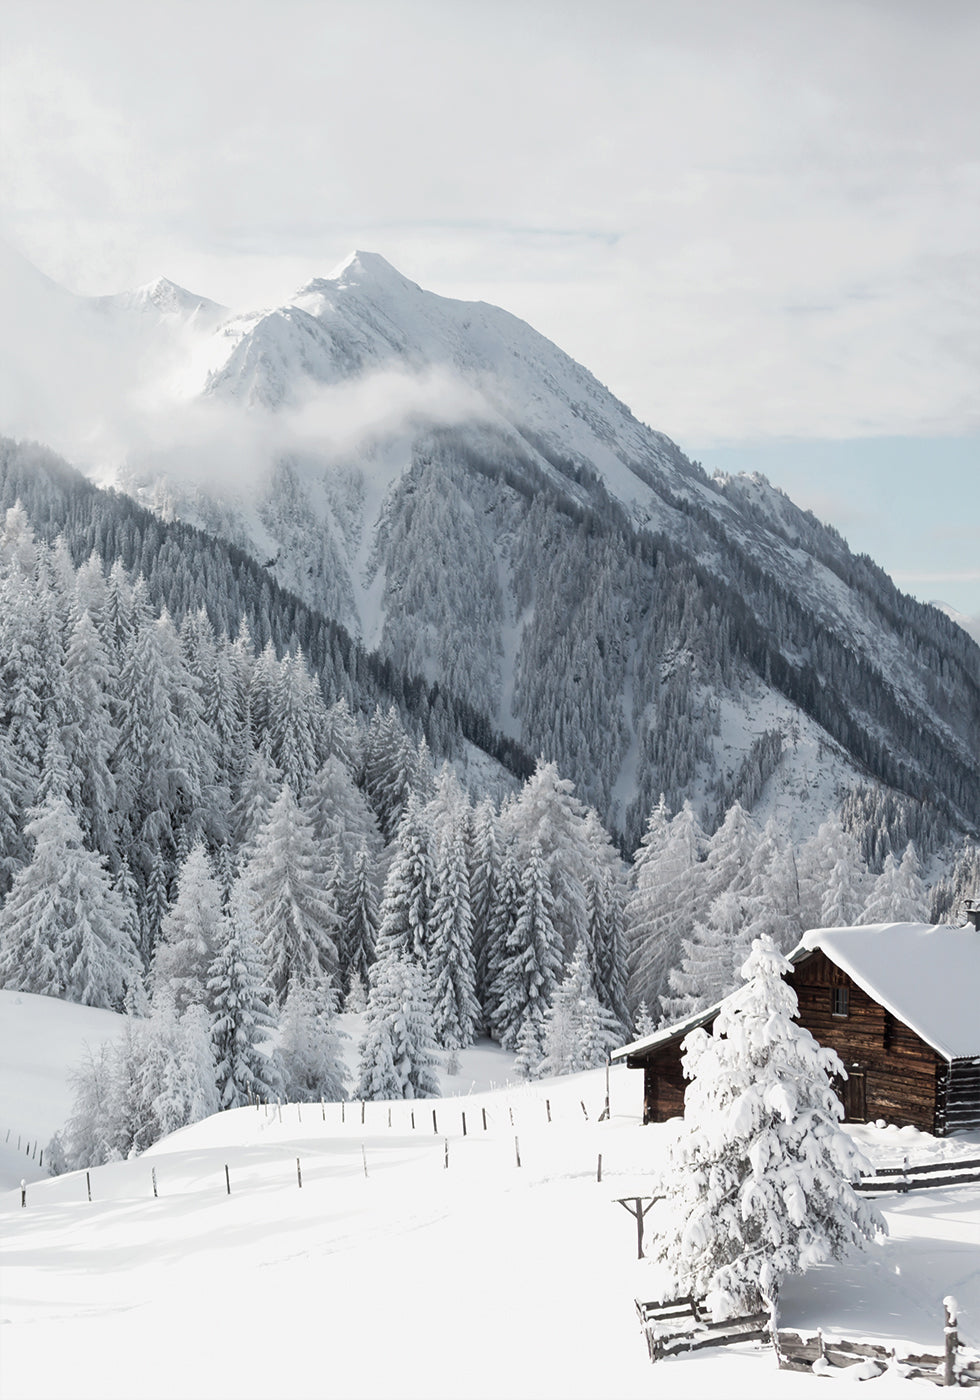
(435, 1125)
(299, 1174)
(634, 1205)
(364, 1158)
(23, 1192)
(153, 1177)
(88, 1185)
(517, 1150)
(227, 1180)
(598, 1173)
(445, 1160)
(952, 1341)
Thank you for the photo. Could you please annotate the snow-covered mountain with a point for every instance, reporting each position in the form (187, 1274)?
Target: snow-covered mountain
(470, 501)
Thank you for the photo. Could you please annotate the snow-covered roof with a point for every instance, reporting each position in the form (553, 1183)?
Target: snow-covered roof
(665, 1033)
(928, 976)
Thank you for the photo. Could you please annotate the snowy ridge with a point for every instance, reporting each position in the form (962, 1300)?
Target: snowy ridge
(392, 455)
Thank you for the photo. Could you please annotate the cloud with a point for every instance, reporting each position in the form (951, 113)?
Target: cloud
(774, 205)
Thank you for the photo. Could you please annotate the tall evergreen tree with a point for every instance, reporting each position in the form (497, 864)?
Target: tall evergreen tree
(64, 927)
(290, 901)
(451, 969)
(759, 1180)
(192, 932)
(532, 964)
(395, 1054)
(241, 1021)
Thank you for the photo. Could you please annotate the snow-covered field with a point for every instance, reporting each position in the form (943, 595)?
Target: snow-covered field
(483, 1278)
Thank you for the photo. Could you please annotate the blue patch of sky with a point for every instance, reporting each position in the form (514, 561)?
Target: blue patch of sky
(912, 504)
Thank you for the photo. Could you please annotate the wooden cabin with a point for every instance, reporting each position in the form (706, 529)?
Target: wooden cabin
(900, 1003)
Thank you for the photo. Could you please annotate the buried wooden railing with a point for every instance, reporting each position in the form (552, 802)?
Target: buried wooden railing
(906, 1178)
(682, 1324)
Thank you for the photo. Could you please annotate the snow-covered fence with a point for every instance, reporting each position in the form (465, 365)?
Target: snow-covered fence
(906, 1178)
(814, 1352)
(682, 1325)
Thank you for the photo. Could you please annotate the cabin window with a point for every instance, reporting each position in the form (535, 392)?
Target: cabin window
(838, 1001)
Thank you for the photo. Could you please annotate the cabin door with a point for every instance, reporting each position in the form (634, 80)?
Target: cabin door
(855, 1096)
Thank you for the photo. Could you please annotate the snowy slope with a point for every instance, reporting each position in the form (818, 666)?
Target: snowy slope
(478, 1279)
(42, 1040)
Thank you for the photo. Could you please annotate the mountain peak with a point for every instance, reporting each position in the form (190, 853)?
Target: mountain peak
(361, 268)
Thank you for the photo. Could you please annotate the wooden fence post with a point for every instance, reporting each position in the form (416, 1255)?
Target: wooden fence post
(23, 1192)
(153, 1175)
(517, 1150)
(598, 1175)
(88, 1185)
(299, 1174)
(435, 1125)
(952, 1341)
(547, 1108)
(484, 1112)
(364, 1158)
(445, 1161)
(227, 1180)
(464, 1122)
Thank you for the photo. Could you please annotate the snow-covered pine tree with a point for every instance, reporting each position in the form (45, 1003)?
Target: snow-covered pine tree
(528, 1050)
(707, 971)
(532, 961)
(577, 1036)
(240, 1016)
(500, 927)
(310, 1046)
(899, 894)
(288, 889)
(484, 881)
(548, 815)
(395, 1053)
(358, 924)
(261, 784)
(343, 823)
(450, 969)
(191, 933)
(64, 928)
(643, 1024)
(407, 899)
(667, 902)
(758, 1183)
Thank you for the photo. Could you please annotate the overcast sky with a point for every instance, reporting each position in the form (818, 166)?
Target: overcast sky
(757, 223)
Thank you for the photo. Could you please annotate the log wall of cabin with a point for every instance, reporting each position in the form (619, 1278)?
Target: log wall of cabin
(902, 1073)
(663, 1083)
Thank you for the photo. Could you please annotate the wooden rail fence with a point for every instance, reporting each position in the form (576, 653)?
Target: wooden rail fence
(906, 1178)
(682, 1324)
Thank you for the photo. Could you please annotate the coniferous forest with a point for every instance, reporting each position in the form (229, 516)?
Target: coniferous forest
(219, 814)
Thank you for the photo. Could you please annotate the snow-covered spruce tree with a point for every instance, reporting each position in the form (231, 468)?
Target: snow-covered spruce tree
(312, 1059)
(668, 899)
(395, 1053)
(407, 898)
(289, 894)
(240, 1016)
(358, 924)
(529, 1054)
(532, 961)
(500, 925)
(758, 1183)
(451, 969)
(64, 928)
(191, 932)
(899, 895)
(578, 1031)
(706, 972)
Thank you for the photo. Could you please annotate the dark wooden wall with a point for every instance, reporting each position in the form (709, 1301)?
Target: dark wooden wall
(905, 1081)
(901, 1071)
